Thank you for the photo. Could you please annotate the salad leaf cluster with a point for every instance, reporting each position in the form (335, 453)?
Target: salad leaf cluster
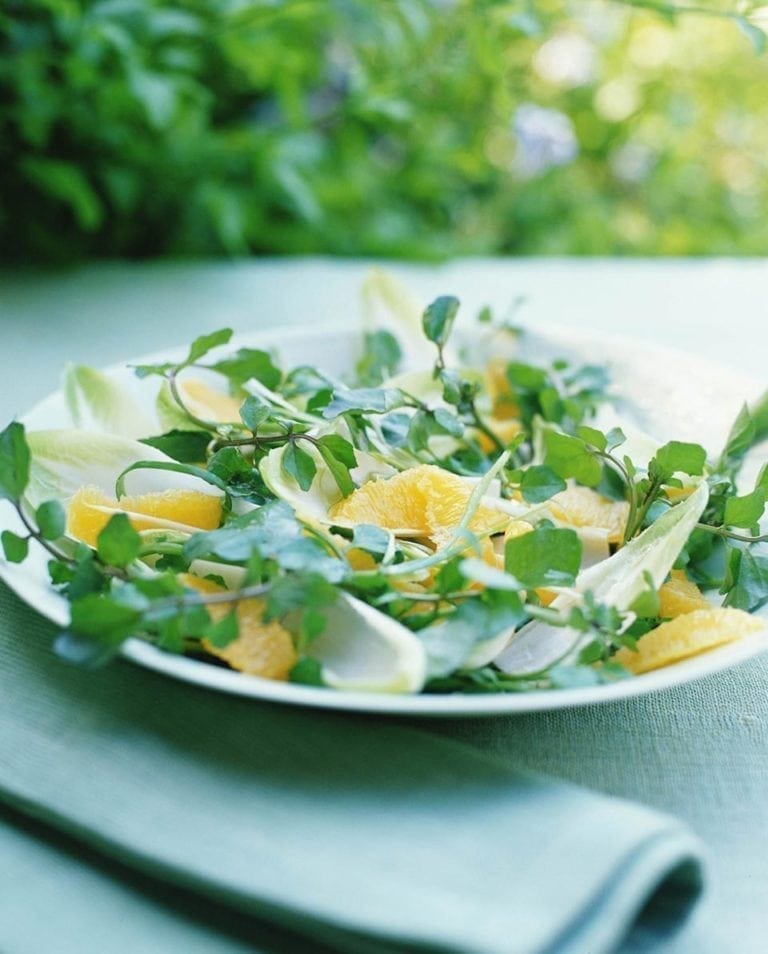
(302, 432)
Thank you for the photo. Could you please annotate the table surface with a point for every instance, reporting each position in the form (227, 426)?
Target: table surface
(700, 751)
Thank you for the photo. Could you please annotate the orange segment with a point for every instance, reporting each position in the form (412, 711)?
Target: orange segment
(679, 595)
(202, 401)
(360, 559)
(90, 509)
(686, 636)
(500, 390)
(506, 429)
(584, 507)
(261, 649)
(424, 501)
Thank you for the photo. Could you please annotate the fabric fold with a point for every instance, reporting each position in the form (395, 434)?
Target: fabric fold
(358, 833)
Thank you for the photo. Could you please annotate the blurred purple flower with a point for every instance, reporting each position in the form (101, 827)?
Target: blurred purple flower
(545, 139)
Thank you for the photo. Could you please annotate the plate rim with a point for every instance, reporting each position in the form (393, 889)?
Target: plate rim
(215, 678)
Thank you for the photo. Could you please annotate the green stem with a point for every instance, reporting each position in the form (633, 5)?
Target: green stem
(630, 491)
(174, 389)
(481, 426)
(730, 535)
(395, 597)
(34, 534)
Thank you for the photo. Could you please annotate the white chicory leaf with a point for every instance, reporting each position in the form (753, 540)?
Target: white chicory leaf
(617, 582)
(96, 402)
(65, 460)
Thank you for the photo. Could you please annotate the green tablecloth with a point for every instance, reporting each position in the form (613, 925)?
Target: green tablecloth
(698, 752)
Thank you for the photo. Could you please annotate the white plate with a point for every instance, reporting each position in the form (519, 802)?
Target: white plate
(667, 393)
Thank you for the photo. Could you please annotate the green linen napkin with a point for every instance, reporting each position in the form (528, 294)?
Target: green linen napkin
(216, 823)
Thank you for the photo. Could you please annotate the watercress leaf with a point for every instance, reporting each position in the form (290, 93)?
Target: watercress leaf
(381, 358)
(339, 457)
(453, 386)
(264, 530)
(187, 447)
(740, 437)
(340, 447)
(678, 456)
(566, 676)
(51, 519)
(745, 511)
(15, 547)
(591, 653)
(14, 462)
(759, 412)
(86, 576)
(205, 343)
(438, 318)
(372, 539)
(526, 377)
(254, 412)
(320, 401)
(448, 422)
(762, 481)
(420, 429)
(249, 364)
(363, 401)
(118, 544)
(222, 632)
(747, 580)
(149, 370)
(297, 463)
(311, 625)
(539, 483)
(228, 464)
(547, 556)
(647, 603)
(614, 438)
(569, 457)
(307, 672)
(394, 428)
(85, 651)
(553, 407)
(591, 435)
(449, 577)
(103, 617)
(309, 556)
(304, 379)
(239, 476)
(296, 592)
(450, 644)
(478, 571)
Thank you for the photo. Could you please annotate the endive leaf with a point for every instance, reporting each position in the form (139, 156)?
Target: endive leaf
(389, 306)
(65, 460)
(617, 582)
(363, 649)
(97, 402)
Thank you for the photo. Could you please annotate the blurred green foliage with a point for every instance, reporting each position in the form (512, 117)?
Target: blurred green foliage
(382, 127)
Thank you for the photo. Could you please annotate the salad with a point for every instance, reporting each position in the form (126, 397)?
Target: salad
(443, 517)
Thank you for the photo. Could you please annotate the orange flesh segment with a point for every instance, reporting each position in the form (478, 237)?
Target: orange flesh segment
(423, 501)
(202, 401)
(679, 596)
(90, 509)
(686, 636)
(584, 507)
(506, 429)
(261, 649)
(499, 390)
